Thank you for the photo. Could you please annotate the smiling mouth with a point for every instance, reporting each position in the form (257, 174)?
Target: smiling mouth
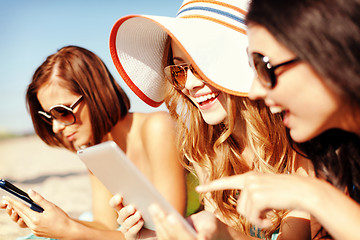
(206, 98)
(276, 109)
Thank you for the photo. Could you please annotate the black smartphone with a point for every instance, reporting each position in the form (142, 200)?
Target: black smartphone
(7, 186)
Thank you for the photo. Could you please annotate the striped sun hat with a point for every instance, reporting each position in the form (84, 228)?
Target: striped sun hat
(212, 34)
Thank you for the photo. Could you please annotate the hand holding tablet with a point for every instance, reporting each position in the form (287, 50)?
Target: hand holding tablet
(119, 175)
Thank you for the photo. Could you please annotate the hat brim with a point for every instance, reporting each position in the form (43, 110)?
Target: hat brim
(137, 45)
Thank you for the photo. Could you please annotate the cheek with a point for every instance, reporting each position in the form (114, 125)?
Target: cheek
(310, 118)
(85, 125)
(297, 89)
(217, 115)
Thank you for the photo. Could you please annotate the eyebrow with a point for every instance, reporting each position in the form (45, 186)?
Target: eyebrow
(178, 59)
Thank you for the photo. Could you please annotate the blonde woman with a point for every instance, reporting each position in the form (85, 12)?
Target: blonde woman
(220, 131)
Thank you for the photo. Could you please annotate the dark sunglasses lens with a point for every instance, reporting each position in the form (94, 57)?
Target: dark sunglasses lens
(262, 70)
(63, 115)
(176, 75)
(46, 119)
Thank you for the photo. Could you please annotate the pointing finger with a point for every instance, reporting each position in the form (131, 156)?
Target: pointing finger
(233, 182)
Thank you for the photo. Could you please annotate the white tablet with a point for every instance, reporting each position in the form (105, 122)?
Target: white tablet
(118, 173)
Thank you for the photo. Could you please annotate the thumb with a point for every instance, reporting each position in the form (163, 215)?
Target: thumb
(116, 202)
(37, 198)
(34, 195)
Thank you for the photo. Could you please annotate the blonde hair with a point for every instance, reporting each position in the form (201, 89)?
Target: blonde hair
(214, 148)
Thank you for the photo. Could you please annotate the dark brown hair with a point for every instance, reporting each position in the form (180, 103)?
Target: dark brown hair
(325, 34)
(83, 73)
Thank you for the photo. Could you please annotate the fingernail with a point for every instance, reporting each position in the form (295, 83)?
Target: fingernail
(131, 209)
(137, 215)
(171, 219)
(114, 200)
(199, 188)
(117, 197)
(31, 192)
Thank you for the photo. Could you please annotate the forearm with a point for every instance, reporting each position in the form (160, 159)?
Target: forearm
(209, 226)
(337, 213)
(83, 230)
(92, 224)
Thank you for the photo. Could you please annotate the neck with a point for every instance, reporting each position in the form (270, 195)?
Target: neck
(349, 119)
(239, 134)
(120, 131)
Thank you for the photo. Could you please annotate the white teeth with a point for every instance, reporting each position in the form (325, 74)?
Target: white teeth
(276, 109)
(205, 97)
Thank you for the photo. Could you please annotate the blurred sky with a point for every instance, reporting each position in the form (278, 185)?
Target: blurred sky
(30, 30)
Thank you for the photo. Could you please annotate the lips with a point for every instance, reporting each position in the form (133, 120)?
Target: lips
(286, 116)
(204, 99)
(71, 137)
(281, 110)
(276, 109)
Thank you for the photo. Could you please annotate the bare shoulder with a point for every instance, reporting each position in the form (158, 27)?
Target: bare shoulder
(158, 136)
(157, 123)
(303, 166)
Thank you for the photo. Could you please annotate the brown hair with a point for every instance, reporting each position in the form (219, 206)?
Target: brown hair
(83, 73)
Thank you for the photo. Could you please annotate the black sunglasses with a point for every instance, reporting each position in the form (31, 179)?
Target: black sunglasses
(176, 74)
(265, 71)
(61, 113)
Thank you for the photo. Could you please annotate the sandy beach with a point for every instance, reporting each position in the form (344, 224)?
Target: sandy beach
(55, 173)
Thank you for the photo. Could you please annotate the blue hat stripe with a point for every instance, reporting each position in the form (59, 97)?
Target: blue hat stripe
(223, 13)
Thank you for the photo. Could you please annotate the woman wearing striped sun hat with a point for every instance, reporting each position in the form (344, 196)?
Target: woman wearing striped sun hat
(197, 64)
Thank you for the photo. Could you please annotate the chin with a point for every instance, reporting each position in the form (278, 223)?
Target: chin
(301, 136)
(214, 119)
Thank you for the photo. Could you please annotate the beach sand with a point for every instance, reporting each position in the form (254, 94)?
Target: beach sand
(57, 174)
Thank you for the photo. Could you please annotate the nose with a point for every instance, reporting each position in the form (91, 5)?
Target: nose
(257, 90)
(192, 81)
(57, 126)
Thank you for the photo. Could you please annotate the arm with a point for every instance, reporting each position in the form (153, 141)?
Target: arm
(335, 211)
(296, 224)
(158, 135)
(104, 216)
(162, 168)
(53, 222)
(206, 224)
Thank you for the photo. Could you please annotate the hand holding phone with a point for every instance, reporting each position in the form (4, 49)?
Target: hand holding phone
(7, 186)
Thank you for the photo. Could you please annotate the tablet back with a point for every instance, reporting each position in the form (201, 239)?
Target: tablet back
(119, 175)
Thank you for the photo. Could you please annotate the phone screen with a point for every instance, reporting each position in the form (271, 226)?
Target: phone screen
(15, 191)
